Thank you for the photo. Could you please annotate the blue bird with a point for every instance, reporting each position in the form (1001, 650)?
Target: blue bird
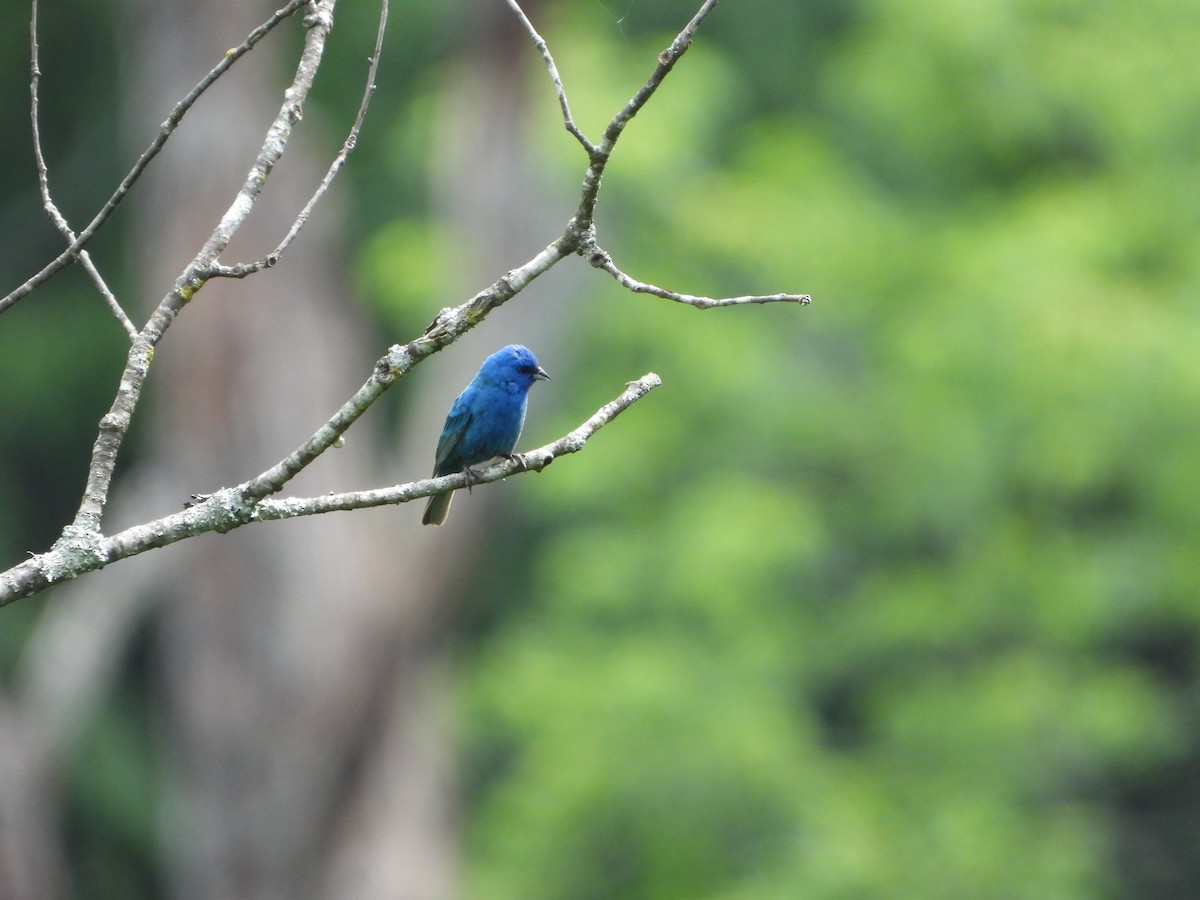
(485, 421)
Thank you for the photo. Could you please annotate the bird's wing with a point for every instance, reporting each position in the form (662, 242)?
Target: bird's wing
(457, 423)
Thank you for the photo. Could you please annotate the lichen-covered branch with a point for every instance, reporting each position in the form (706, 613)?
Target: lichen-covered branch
(115, 424)
(230, 508)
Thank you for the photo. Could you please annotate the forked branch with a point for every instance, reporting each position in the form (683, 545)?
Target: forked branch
(580, 236)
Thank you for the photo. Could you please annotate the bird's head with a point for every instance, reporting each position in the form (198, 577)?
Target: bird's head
(516, 364)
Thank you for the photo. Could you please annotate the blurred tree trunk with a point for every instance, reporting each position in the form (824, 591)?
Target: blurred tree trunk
(297, 659)
(304, 680)
(32, 863)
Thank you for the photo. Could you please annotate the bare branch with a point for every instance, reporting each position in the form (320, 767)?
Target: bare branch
(56, 216)
(666, 62)
(398, 362)
(83, 548)
(227, 509)
(603, 151)
(244, 269)
(600, 258)
(68, 256)
(533, 460)
(544, 49)
(115, 424)
(580, 235)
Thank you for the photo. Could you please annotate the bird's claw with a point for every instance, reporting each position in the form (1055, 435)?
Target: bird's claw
(472, 477)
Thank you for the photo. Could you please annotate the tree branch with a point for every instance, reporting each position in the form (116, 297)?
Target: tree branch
(580, 235)
(228, 508)
(600, 258)
(585, 214)
(68, 256)
(115, 424)
(244, 269)
(48, 204)
(83, 548)
(544, 49)
(449, 325)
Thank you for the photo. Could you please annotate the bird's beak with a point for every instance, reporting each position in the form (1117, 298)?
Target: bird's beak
(540, 375)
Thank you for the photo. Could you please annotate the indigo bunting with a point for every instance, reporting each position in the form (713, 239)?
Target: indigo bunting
(485, 421)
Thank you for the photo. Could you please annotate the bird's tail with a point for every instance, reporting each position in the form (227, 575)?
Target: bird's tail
(437, 509)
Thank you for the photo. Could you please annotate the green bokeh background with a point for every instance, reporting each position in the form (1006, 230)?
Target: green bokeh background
(892, 596)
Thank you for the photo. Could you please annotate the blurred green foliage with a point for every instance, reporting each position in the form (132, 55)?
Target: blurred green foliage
(893, 596)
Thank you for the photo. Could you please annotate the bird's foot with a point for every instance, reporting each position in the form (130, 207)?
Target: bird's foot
(472, 477)
(519, 459)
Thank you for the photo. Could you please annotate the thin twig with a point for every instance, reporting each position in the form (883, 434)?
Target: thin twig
(69, 255)
(585, 214)
(226, 509)
(243, 269)
(581, 231)
(600, 258)
(52, 210)
(666, 62)
(544, 49)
